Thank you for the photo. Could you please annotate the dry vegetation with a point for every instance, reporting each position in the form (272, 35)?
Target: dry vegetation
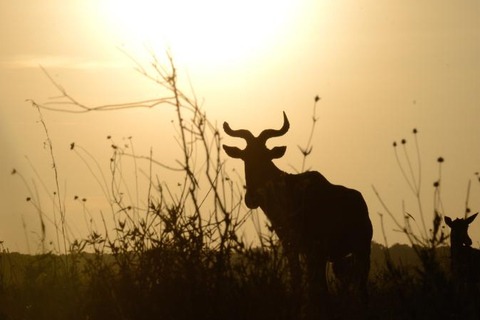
(178, 254)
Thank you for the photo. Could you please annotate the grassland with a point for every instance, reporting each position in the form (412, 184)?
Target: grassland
(176, 258)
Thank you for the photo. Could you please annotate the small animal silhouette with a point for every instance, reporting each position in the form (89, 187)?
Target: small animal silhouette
(312, 217)
(465, 260)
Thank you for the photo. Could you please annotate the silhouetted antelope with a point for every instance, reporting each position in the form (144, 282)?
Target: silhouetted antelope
(465, 260)
(312, 217)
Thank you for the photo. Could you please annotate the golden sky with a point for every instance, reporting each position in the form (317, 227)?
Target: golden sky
(381, 68)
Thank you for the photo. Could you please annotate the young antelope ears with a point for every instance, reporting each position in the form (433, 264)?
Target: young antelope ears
(448, 221)
(471, 218)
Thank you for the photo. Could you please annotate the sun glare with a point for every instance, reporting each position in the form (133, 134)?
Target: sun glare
(219, 31)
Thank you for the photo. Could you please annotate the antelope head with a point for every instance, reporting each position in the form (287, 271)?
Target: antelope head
(259, 168)
(459, 234)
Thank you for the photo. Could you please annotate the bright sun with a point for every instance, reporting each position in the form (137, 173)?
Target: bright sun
(220, 31)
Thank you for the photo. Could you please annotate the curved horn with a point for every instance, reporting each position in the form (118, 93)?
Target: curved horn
(271, 133)
(241, 133)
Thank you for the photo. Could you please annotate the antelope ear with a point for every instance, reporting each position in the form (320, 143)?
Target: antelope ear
(471, 218)
(448, 221)
(233, 152)
(277, 152)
